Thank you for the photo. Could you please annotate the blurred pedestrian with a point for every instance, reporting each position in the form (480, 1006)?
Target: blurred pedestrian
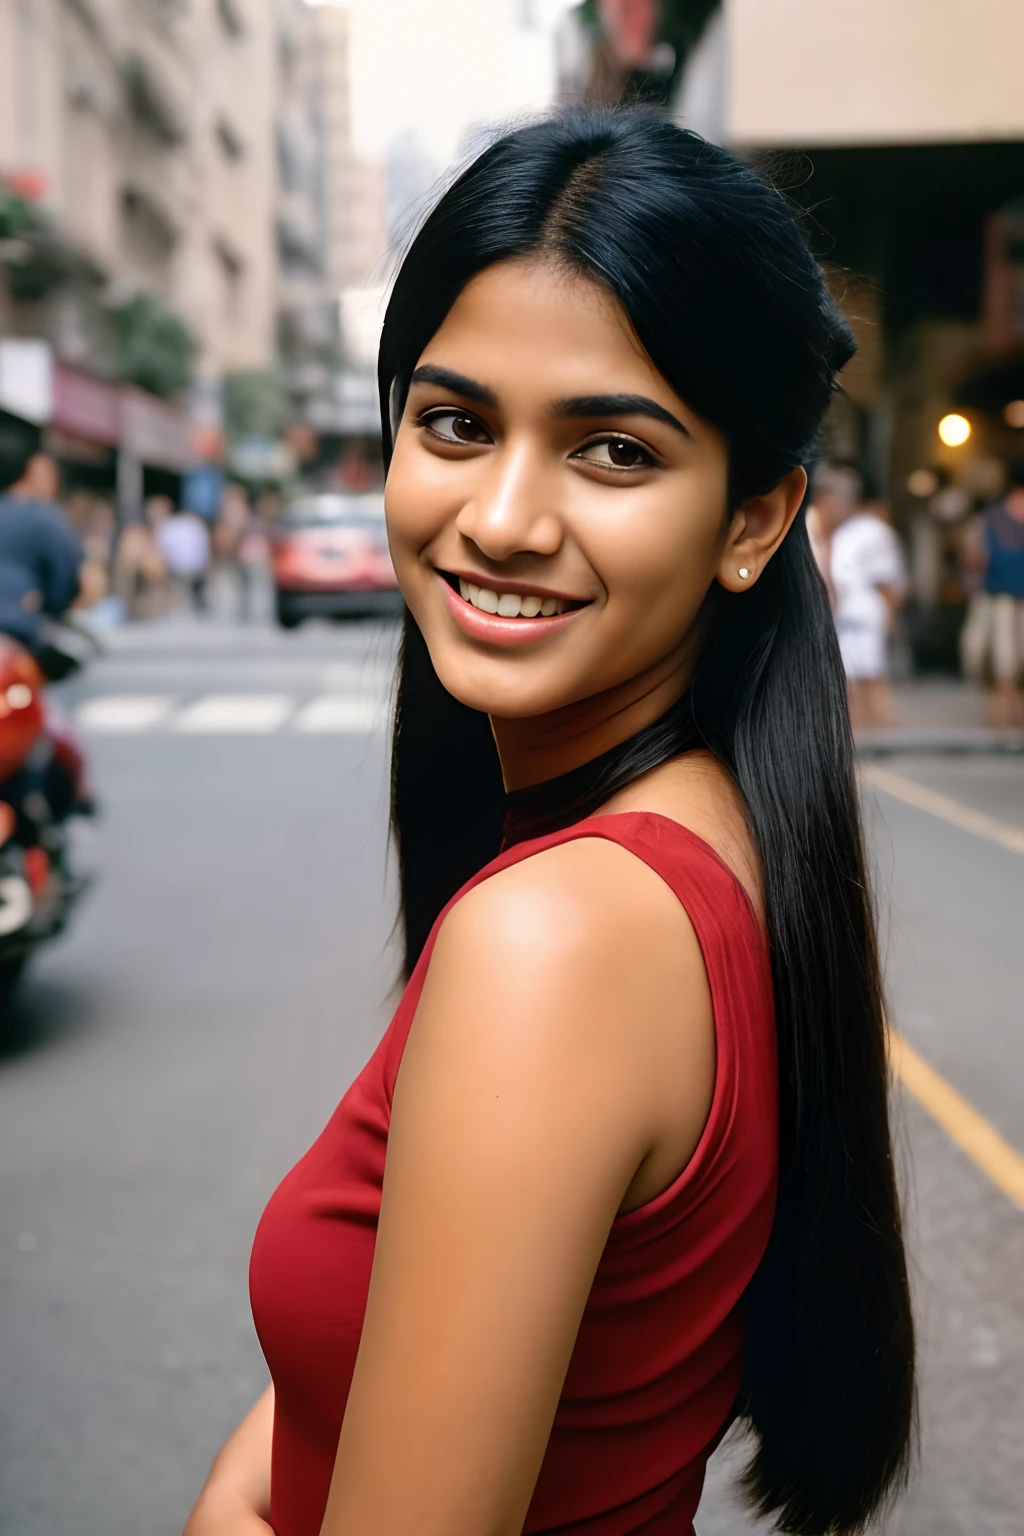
(139, 573)
(95, 526)
(39, 554)
(866, 575)
(183, 540)
(992, 642)
(231, 537)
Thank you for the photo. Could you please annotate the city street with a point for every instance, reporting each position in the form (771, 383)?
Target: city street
(231, 971)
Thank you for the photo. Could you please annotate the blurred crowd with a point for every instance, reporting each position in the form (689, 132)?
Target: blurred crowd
(960, 563)
(965, 570)
(165, 562)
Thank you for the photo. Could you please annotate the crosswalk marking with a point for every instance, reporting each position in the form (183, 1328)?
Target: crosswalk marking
(124, 714)
(340, 713)
(233, 714)
(230, 714)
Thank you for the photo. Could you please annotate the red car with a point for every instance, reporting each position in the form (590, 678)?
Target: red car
(330, 559)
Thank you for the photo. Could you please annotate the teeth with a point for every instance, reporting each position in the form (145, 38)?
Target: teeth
(511, 605)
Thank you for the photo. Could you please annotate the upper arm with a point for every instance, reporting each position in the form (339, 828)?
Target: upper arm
(889, 565)
(528, 1096)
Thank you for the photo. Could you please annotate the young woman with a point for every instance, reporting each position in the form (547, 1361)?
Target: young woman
(620, 1170)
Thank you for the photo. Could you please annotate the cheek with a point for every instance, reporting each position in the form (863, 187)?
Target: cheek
(662, 555)
(416, 498)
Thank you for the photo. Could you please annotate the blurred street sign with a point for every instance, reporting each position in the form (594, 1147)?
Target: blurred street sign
(156, 432)
(261, 458)
(26, 379)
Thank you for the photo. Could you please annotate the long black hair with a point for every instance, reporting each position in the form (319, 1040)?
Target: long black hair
(710, 266)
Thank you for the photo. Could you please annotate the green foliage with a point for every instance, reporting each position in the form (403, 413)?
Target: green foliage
(43, 262)
(18, 218)
(256, 403)
(153, 348)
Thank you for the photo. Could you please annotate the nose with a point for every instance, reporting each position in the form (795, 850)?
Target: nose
(513, 508)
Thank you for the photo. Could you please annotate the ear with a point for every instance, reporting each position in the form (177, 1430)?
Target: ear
(757, 529)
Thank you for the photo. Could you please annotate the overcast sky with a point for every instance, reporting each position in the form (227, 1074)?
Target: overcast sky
(438, 66)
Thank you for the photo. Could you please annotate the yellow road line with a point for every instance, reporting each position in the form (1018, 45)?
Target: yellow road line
(973, 1134)
(944, 807)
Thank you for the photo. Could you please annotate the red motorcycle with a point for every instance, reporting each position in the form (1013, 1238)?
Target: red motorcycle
(43, 786)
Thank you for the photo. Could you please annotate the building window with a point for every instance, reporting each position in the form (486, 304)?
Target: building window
(229, 139)
(232, 272)
(232, 17)
(147, 240)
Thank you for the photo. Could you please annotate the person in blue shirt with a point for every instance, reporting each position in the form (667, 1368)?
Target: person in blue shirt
(40, 557)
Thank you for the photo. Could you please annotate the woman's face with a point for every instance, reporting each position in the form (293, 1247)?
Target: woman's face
(556, 513)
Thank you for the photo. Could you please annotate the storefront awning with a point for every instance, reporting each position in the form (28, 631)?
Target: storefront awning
(85, 407)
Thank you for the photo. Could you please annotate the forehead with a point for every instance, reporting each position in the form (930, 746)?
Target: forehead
(541, 326)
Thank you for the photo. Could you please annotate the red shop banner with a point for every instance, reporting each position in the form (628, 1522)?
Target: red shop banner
(85, 406)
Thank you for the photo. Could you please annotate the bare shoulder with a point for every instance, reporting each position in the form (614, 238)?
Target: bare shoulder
(577, 910)
(574, 981)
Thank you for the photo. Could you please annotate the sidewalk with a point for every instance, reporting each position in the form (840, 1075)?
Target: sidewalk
(941, 715)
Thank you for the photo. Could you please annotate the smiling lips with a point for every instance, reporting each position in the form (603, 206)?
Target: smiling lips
(513, 605)
(507, 618)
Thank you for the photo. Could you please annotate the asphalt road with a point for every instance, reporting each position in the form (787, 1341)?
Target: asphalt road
(230, 973)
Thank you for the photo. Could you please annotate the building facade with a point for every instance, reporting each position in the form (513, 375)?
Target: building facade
(900, 129)
(137, 128)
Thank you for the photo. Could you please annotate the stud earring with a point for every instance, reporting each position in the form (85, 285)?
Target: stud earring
(743, 573)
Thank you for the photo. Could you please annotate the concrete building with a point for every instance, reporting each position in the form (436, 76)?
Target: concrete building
(901, 129)
(300, 96)
(141, 130)
(334, 43)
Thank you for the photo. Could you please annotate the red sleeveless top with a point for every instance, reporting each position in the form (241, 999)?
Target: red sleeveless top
(658, 1359)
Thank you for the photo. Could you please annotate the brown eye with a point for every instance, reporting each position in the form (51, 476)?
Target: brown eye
(467, 430)
(617, 453)
(456, 427)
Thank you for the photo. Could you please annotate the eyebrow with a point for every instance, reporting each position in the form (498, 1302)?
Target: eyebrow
(619, 405)
(458, 383)
(577, 405)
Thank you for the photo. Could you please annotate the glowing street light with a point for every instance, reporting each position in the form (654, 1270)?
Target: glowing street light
(954, 430)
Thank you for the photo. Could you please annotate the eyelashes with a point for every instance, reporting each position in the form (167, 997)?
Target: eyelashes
(622, 454)
(466, 430)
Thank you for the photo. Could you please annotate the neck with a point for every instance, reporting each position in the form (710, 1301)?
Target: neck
(546, 746)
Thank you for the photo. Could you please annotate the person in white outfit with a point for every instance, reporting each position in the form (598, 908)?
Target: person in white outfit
(865, 571)
(184, 541)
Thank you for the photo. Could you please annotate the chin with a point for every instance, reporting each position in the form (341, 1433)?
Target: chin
(481, 686)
